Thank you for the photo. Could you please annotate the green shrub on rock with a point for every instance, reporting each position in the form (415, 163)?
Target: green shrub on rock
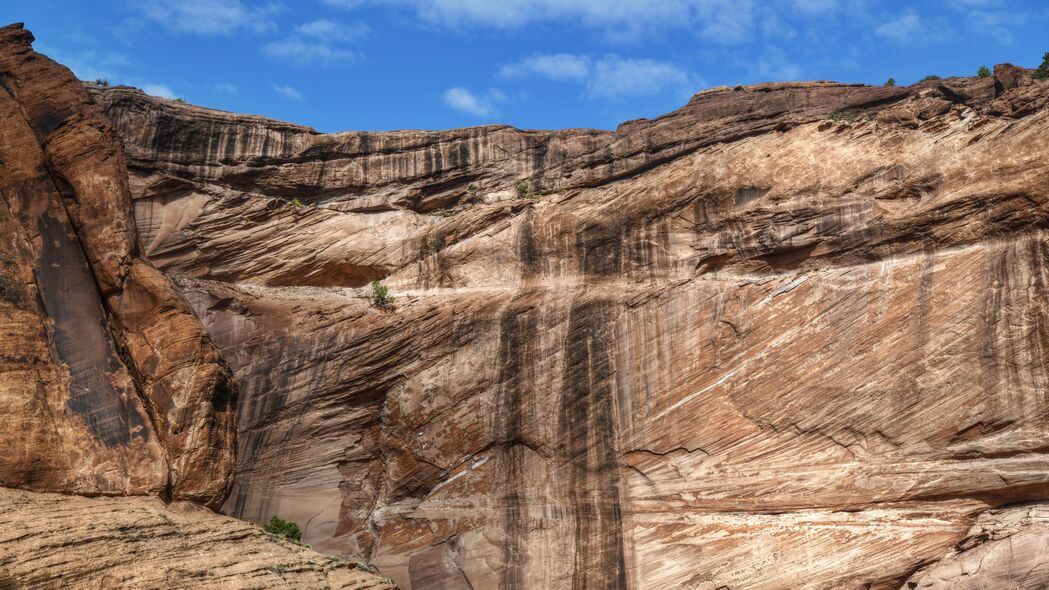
(283, 528)
(1042, 73)
(381, 295)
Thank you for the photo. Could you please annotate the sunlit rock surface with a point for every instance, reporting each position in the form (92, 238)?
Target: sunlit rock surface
(59, 541)
(791, 335)
(109, 385)
(788, 336)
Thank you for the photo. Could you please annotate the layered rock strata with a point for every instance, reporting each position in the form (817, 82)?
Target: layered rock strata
(60, 541)
(788, 336)
(791, 335)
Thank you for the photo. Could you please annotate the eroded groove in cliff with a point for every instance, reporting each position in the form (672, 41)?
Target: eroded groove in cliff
(587, 429)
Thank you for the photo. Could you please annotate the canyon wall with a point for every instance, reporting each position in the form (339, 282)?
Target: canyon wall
(109, 383)
(788, 336)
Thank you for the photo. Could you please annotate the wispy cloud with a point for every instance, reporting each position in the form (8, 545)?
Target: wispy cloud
(556, 66)
(89, 64)
(719, 21)
(305, 52)
(617, 79)
(158, 90)
(207, 17)
(318, 42)
(287, 91)
(610, 77)
(328, 30)
(910, 28)
(478, 105)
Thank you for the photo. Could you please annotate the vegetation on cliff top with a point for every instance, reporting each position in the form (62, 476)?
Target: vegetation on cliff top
(1042, 73)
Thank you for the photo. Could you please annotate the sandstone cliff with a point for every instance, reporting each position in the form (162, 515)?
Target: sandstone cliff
(788, 336)
(109, 384)
(791, 335)
(57, 541)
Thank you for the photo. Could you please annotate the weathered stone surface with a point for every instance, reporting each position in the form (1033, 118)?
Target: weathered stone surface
(56, 541)
(791, 335)
(1004, 549)
(788, 336)
(110, 384)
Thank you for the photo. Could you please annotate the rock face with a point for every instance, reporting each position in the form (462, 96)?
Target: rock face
(56, 541)
(110, 384)
(791, 335)
(788, 336)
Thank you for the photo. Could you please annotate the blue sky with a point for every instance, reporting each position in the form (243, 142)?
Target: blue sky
(432, 64)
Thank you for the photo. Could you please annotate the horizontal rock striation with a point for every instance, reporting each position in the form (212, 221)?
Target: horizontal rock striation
(791, 335)
(788, 336)
(56, 541)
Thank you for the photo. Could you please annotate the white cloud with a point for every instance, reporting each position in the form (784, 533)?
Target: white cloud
(207, 17)
(288, 91)
(318, 42)
(901, 28)
(614, 78)
(158, 90)
(306, 52)
(88, 64)
(465, 101)
(909, 28)
(721, 21)
(327, 30)
(557, 66)
(609, 77)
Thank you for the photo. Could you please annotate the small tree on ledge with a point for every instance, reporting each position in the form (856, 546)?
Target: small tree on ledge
(983, 72)
(1042, 73)
(890, 82)
(381, 296)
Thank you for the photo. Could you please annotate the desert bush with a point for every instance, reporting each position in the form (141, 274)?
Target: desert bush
(381, 295)
(930, 78)
(890, 82)
(284, 528)
(524, 191)
(102, 82)
(983, 72)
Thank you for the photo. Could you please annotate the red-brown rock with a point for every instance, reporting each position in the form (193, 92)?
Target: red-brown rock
(111, 385)
(788, 336)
